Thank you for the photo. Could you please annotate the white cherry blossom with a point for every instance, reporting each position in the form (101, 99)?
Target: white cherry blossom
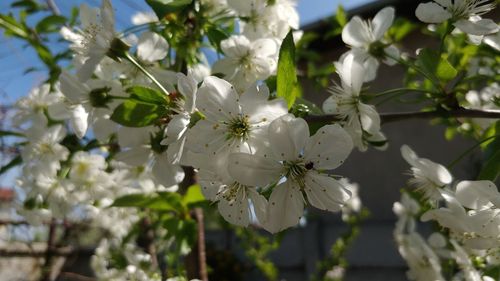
(246, 61)
(429, 177)
(297, 159)
(232, 122)
(93, 41)
(460, 12)
(360, 120)
(366, 41)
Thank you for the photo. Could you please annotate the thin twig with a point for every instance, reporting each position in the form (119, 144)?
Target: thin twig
(394, 117)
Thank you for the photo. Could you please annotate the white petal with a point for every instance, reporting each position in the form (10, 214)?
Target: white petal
(88, 15)
(481, 27)
(176, 128)
(72, 88)
(432, 13)
(136, 156)
(254, 170)
(166, 173)
(286, 206)
(187, 86)
(354, 33)
(151, 47)
(237, 211)
(330, 105)
(478, 194)
(288, 136)
(108, 15)
(325, 193)
(370, 119)
(391, 52)
(409, 155)
(328, 148)
(206, 137)
(79, 120)
(382, 22)
(217, 99)
(265, 47)
(86, 70)
(260, 205)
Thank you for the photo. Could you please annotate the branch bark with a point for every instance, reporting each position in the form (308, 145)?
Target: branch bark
(399, 116)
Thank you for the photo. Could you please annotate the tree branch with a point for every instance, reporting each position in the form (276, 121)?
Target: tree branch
(53, 7)
(399, 116)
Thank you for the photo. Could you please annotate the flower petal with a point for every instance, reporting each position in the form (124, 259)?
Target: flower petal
(477, 194)
(236, 211)
(151, 47)
(79, 120)
(325, 193)
(286, 206)
(382, 22)
(432, 13)
(254, 170)
(481, 27)
(353, 32)
(288, 136)
(166, 173)
(217, 99)
(328, 148)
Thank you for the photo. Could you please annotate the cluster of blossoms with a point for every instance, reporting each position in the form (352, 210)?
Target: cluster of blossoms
(468, 212)
(258, 162)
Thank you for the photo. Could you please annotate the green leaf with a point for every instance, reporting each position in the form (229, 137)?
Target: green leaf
(287, 84)
(401, 28)
(491, 169)
(341, 16)
(193, 195)
(131, 200)
(147, 95)
(13, 27)
(435, 65)
(164, 7)
(50, 23)
(30, 6)
(14, 162)
(215, 36)
(132, 113)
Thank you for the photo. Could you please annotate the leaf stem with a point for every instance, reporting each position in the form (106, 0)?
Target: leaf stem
(469, 150)
(131, 59)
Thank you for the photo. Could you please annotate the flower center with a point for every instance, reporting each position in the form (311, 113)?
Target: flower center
(239, 128)
(296, 171)
(231, 191)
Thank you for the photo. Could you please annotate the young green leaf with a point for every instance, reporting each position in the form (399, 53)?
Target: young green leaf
(164, 7)
(491, 169)
(147, 95)
(436, 66)
(193, 195)
(287, 85)
(14, 162)
(132, 113)
(50, 23)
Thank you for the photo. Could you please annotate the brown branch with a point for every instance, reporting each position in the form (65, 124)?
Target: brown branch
(76, 276)
(394, 117)
(202, 255)
(51, 240)
(59, 252)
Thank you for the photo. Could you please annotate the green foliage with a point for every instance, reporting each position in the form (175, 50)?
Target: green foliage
(257, 248)
(134, 113)
(287, 83)
(400, 29)
(50, 24)
(164, 7)
(147, 95)
(215, 35)
(491, 169)
(436, 66)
